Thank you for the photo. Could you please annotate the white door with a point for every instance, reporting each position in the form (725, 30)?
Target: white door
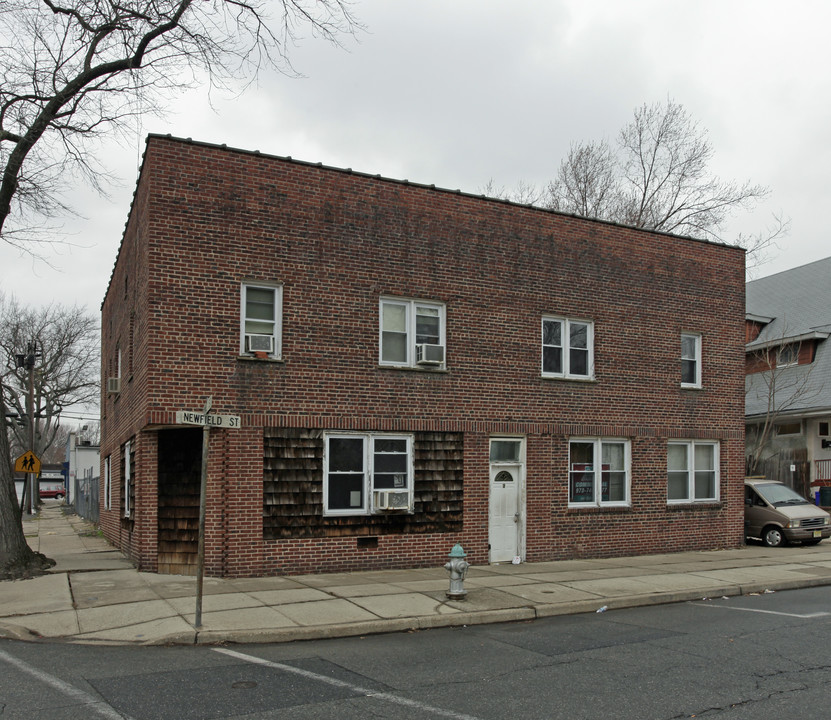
(505, 519)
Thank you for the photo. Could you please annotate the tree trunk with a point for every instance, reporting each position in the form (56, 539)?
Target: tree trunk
(17, 559)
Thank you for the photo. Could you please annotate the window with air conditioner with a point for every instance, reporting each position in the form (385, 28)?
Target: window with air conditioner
(366, 473)
(260, 320)
(412, 334)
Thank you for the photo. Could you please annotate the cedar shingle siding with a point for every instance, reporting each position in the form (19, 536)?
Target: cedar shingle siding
(293, 488)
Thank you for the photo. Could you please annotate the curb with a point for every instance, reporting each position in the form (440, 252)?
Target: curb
(412, 624)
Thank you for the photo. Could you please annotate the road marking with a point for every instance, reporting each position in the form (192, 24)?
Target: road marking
(386, 697)
(92, 703)
(805, 616)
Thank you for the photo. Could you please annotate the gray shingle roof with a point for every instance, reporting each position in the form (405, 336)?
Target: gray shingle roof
(799, 303)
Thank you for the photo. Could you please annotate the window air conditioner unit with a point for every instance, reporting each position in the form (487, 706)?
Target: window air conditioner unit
(114, 385)
(260, 343)
(391, 499)
(429, 354)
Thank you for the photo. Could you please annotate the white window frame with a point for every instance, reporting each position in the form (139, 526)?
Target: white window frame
(696, 359)
(597, 472)
(277, 330)
(367, 486)
(410, 312)
(787, 355)
(565, 347)
(108, 488)
(690, 471)
(127, 478)
(518, 442)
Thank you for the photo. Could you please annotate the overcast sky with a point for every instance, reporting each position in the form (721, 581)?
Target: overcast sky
(458, 92)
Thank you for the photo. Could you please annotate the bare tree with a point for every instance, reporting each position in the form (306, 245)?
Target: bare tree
(586, 182)
(74, 70)
(780, 386)
(71, 71)
(67, 373)
(524, 193)
(17, 559)
(657, 176)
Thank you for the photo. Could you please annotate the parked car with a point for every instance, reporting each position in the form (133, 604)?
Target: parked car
(52, 491)
(776, 515)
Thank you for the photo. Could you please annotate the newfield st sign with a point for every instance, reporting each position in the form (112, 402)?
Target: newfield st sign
(183, 417)
(207, 420)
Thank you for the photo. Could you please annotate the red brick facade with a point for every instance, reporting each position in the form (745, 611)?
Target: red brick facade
(205, 219)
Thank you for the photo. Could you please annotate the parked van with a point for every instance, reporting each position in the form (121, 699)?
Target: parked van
(776, 515)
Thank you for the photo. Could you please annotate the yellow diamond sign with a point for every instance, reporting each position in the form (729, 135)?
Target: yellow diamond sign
(28, 462)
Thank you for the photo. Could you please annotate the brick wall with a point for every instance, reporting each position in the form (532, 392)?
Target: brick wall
(205, 218)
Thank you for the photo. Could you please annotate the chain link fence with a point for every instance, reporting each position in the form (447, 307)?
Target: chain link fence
(86, 495)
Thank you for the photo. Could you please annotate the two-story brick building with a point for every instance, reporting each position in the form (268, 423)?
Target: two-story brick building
(413, 367)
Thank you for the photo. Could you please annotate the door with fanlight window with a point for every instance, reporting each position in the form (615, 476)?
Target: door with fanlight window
(506, 520)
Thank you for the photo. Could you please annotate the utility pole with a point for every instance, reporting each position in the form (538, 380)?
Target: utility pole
(27, 361)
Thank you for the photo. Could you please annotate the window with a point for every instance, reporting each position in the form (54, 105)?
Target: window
(692, 471)
(788, 355)
(108, 494)
(509, 451)
(598, 472)
(260, 320)
(690, 360)
(823, 429)
(411, 333)
(367, 473)
(791, 428)
(567, 348)
(128, 479)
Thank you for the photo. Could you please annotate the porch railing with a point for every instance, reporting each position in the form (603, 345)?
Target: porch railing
(823, 470)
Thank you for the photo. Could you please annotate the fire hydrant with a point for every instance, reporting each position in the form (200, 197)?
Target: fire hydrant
(457, 567)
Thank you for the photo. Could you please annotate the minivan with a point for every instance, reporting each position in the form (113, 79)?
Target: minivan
(776, 515)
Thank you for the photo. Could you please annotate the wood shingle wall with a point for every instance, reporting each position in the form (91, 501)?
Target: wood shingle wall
(293, 488)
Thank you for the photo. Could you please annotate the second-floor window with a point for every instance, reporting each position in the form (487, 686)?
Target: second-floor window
(690, 360)
(787, 355)
(260, 319)
(567, 348)
(412, 333)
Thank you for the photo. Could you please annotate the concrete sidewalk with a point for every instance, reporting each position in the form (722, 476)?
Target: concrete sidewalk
(94, 595)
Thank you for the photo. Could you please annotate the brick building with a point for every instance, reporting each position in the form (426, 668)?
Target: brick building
(413, 367)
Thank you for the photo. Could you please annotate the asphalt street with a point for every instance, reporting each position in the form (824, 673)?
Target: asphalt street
(757, 656)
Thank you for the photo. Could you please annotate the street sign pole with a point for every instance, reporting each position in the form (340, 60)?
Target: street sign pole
(200, 562)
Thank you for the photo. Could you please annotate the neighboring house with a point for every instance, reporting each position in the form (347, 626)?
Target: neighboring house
(413, 367)
(788, 383)
(83, 460)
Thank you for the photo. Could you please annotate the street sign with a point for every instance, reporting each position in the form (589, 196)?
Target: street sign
(28, 462)
(183, 417)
